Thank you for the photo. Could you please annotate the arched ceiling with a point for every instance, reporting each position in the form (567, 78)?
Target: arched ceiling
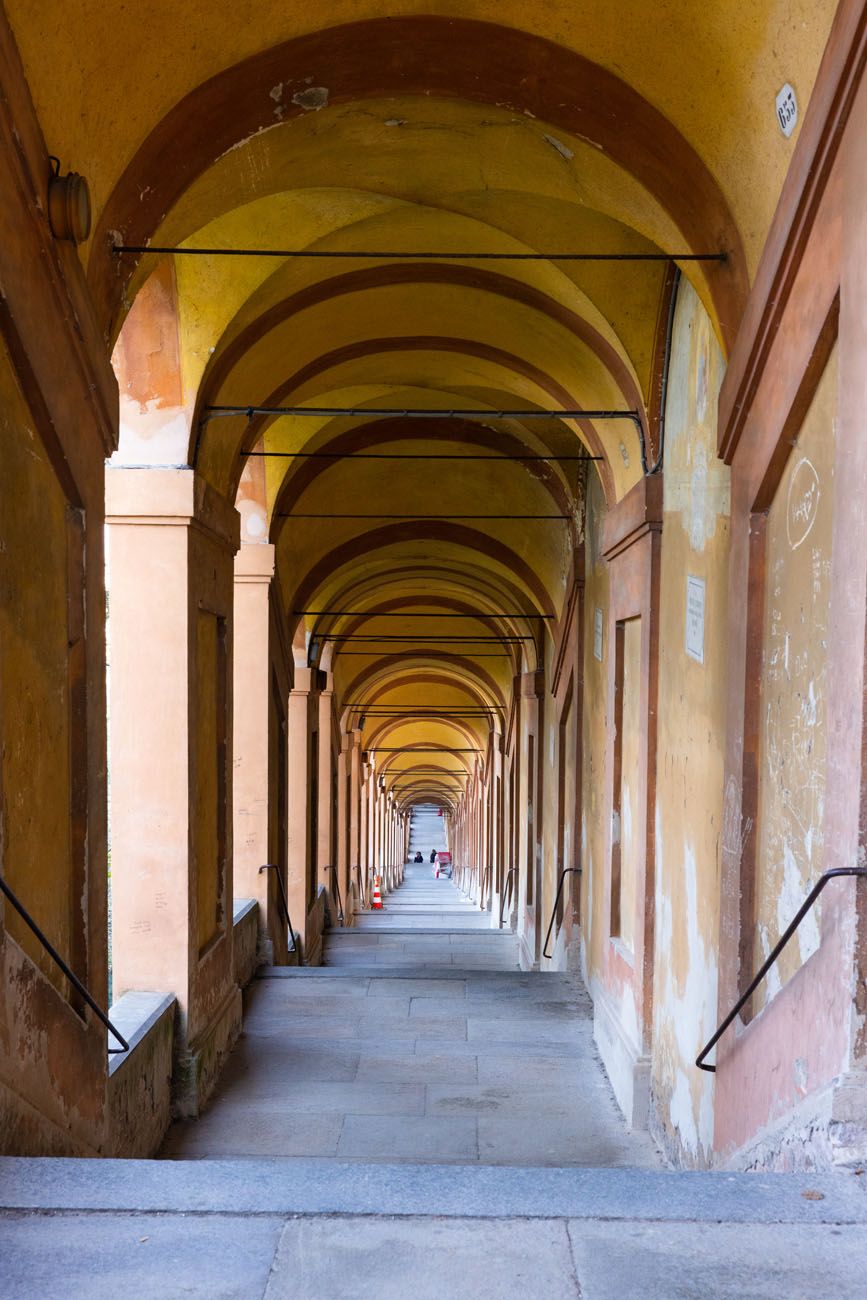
(459, 126)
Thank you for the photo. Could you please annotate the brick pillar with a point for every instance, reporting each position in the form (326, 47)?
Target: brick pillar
(171, 545)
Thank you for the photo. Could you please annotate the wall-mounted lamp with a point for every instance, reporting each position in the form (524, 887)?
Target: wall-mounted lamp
(69, 212)
(382, 782)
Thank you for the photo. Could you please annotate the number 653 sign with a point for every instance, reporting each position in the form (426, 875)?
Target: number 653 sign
(787, 110)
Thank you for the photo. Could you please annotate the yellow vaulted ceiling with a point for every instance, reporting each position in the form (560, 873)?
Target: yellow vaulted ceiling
(451, 127)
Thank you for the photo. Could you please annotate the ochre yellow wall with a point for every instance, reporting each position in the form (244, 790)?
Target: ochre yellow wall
(691, 740)
(593, 838)
(35, 718)
(791, 807)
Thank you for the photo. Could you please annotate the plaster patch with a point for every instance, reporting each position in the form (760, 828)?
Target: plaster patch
(789, 899)
(688, 1013)
(150, 435)
(312, 99)
(773, 982)
(563, 150)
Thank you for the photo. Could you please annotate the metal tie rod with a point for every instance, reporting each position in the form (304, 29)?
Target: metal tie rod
(413, 640)
(390, 455)
(422, 518)
(423, 412)
(428, 613)
(421, 653)
(327, 254)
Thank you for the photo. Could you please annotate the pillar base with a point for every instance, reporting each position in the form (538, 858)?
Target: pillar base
(197, 1064)
(627, 1066)
(827, 1131)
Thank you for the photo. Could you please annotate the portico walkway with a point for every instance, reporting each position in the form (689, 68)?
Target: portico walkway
(423, 1042)
(424, 1076)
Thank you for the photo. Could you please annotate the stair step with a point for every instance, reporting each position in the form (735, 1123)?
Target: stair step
(308, 1187)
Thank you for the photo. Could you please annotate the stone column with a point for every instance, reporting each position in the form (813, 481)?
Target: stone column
(355, 811)
(254, 569)
(298, 885)
(343, 763)
(172, 540)
(324, 820)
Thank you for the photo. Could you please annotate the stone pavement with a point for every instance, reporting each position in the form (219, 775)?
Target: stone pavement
(420, 1120)
(271, 1230)
(417, 1046)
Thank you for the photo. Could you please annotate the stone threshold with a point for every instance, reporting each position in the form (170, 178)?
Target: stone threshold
(292, 1186)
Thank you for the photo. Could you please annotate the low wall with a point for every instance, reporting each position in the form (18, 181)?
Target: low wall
(245, 939)
(140, 1081)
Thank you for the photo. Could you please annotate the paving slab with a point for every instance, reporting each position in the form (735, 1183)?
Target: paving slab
(150, 1257)
(415, 1027)
(422, 1068)
(592, 1137)
(676, 1261)
(264, 1130)
(390, 1137)
(427, 1259)
(266, 1072)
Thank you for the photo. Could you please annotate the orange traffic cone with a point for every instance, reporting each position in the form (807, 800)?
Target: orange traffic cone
(376, 901)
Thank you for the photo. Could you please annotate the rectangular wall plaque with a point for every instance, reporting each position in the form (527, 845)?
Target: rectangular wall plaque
(597, 634)
(695, 591)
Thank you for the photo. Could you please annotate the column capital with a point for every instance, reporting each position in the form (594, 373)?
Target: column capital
(254, 562)
(169, 497)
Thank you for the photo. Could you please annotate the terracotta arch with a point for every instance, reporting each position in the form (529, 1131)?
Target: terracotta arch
(413, 343)
(418, 273)
(435, 57)
(428, 530)
(370, 434)
(429, 657)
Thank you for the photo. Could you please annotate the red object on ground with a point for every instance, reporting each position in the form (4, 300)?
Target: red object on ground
(376, 901)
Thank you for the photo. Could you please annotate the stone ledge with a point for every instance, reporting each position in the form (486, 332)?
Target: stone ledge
(134, 1015)
(140, 1080)
(309, 1187)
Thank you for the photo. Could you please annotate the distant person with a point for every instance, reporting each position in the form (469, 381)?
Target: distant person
(418, 858)
(433, 856)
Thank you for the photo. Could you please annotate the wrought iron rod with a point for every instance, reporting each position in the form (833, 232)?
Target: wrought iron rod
(835, 873)
(68, 972)
(421, 518)
(507, 885)
(228, 411)
(397, 613)
(272, 866)
(391, 455)
(341, 917)
(327, 254)
(405, 654)
(507, 638)
(563, 874)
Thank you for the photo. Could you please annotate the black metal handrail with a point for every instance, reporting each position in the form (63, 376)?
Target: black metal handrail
(507, 883)
(357, 868)
(70, 974)
(272, 866)
(486, 879)
(340, 913)
(833, 874)
(563, 874)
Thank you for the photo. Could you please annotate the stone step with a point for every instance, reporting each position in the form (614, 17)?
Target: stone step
(309, 1187)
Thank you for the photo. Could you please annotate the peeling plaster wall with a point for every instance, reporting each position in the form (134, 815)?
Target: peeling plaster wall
(594, 921)
(793, 684)
(52, 1059)
(689, 803)
(630, 777)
